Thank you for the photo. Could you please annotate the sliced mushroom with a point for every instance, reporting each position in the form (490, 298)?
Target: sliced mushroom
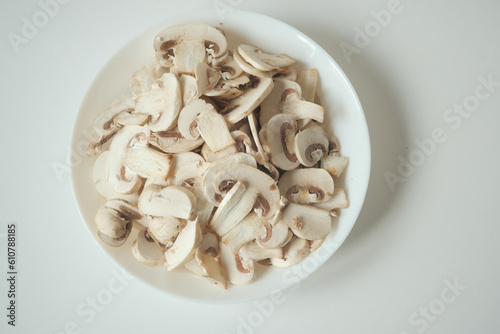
(261, 155)
(104, 124)
(163, 229)
(189, 53)
(127, 210)
(187, 167)
(271, 105)
(146, 250)
(264, 61)
(248, 68)
(100, 177)
(189, 89)
(274, 236)
(207, 256)
(142, 80)
(253, 251)
(206, 77)
(296, 251)
(240, 107)
(293, 105)
(187, 118)
(214, 130)
(239, 270)
(112, 228)
(315, 244)
(129, 118)
(148, 162)
(308, 81)
(228, 89)
(334, 164)
(311, 145)
(120, 177)
(337, 201)
(243, 144)
(268, 194)
(307, 222)
(231, 70)
(246, 230)
(238, 202)
(279, 137)
(173, 141)
(211, 194)
(184, 246)
(307, 185)
(173, 200)
(169, 39)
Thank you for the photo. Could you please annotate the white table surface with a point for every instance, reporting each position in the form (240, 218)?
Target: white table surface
(423, 256)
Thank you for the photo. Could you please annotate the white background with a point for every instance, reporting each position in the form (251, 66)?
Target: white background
(439, 226)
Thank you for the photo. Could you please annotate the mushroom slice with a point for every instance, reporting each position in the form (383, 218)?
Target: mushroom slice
(214, 130)
(240, 107)
(104, 124)
(261, 155)
(142, 80)
(311, 145)
(210, 156)
(264, 61)
(238, 202)
(292, 104)
(163, 229)
(129, 118)
(207, 256)
(280, 134)
(112, 228)
(168, 40)
(334, 164)
(167, 104)
(246, 230)
(187, 118)
(253, 251)
(286, 73)
(243, 145)
(189, 89)
(120, 177)
(208, 182)
(296, 251)
(239, 270)
(337, 201)
(268, 194)
(228, 89)
(184, 246)
(148, 162)
(206, 77)
(127, 210)
(273, 236)
(307, 185)
(187, 167)
(204, 208)
(189, 54)
(249, 68)
(100, 177)
(173, 201)
(146, 250)
(194, 267)
(271, 105)
(172, 141)
(315, 244)
(308, 81)
(231, 70)
(307, 222)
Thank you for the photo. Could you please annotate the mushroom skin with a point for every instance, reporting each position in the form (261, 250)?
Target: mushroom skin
(112, 228)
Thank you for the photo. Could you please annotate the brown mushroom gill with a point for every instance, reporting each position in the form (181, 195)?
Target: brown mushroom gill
(311, 149)
(261, 202)
(284, 128)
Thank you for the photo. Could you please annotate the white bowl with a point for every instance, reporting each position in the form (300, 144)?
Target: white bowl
(344, 118)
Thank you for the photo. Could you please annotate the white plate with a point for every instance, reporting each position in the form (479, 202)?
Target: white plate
(344, 118)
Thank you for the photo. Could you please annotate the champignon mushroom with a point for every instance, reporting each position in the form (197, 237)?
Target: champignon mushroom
(311, 145)
(279, 135)
(173, 200)
(163, 229)
(246, 230)
(268, 194)
(142, 80)
(334, 164)
(146, 250)
(208, 182)
(274, 236)
(206, 77)
(228, 89)
(256, 91)
(112, 227)
(264, 61)
(127, 210)
(307, 222)
(253, 251)
(207, 256)
(231, 70)
(239, 270)
(184, 245)
(173, 141)
(308, 81)
(104, 124)
(337, 201)
(271, 105)
(148, 162)
(307, 185)
(187, 118)
(248, 68)
(189, 89)
(130, 118)
(296, 251)
(261, 155)
(186, 168)
(214, 130)
(196, 43)
(293, 105)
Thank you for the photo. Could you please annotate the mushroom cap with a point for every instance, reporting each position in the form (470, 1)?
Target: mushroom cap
(306, 185)
(268, 194)
(163, 229)
(307, 222)
(128, 210)
(112, 228)
(146, 250)
(208, 182)
(280, 134)
(311, 145)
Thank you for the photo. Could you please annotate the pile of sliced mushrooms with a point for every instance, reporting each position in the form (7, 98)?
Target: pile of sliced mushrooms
(219, 158)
